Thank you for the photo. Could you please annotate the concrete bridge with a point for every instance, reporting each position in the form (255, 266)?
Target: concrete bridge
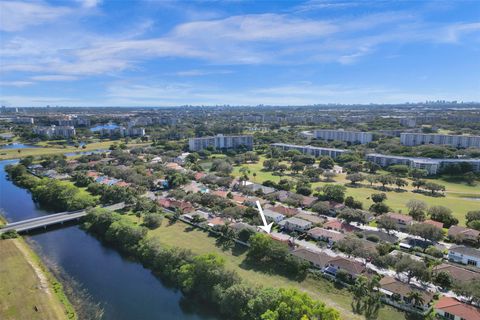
(52, 219)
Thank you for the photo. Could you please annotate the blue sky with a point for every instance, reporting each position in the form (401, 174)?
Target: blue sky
(164, 53)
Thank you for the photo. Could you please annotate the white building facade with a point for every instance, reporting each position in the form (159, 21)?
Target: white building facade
(310, 150)
(341, 135)
(221, 142)
(458, 141)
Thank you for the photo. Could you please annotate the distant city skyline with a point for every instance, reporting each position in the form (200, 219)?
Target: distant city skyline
(170, 53)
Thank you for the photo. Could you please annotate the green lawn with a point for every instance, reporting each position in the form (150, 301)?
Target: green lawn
(460, 197)
(183, 236)
(44, 150)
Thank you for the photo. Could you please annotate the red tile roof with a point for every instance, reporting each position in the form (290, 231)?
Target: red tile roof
(289, 212)
(457, 308)
(338, 225)
(434, 223)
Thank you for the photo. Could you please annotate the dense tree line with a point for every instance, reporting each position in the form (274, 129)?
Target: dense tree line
(54, 194)
(204, 277)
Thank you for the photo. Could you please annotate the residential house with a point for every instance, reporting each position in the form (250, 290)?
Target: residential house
(462, 234)
(329, 236)
(313, 218)
(402, 221)
(465, 255)
(308, 201)
(295, 224)
(272, 216)
(451, 309)
(316, 259)
(434, 223)
(254, 187)
(382, 236)
(397, 293)
(199, 175)
(286, 211)
(340, 226)
(352, 267)
(457, 273)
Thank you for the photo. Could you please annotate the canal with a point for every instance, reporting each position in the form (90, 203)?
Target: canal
(122, 288)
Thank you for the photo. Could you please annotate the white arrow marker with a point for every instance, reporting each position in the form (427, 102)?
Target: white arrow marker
(266, 227)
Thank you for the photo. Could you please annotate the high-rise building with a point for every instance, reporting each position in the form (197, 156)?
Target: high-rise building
(53, 131)
(311, 150)
(432, 166)
(342, 135)
(458, 141)
(221, 142)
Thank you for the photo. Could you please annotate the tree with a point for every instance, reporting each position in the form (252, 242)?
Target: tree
(416, 298)
(385, 180)
(352, 203)
(359, 291)
(304, 190)
(297, 166)
(270, 164)
(152, 220)
(418, 183)
(442, 214)
(426, 231)
(329, 175)
(352, 215)
(326, 163)
(378, 197)
(399, 170)
(371, 179)
(355, 177)
(470, 290)
(333, 192)
(472, 215)
(434, 187)
(411, 267)
(379, 208)
(321, 207)
(221, 166)
(417, 209)
(399, 182)
(416, 173)
(444, 280)
(386, 223)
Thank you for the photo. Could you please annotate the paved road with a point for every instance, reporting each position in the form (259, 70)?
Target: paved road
(47, 220)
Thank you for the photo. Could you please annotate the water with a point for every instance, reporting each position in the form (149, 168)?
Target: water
(123, 288)
(16, 145)
(104, 126)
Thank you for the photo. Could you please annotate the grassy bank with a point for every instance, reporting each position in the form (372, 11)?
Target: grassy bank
(27, 289)
(199, 242)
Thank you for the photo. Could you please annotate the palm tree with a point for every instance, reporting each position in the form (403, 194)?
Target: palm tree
(416, 298)
(359, 291)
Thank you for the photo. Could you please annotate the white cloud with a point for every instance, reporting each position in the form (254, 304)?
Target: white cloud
(15, 83)
(16, 15)
(53, 77)
(90, 3)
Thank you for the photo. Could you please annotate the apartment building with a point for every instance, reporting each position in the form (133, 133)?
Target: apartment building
(313, 151)
(458, 141)
(74, 121)
(342, 135)
(23, 120)
(221, 141)
(123, 132)
(55, 131)
(433, 166)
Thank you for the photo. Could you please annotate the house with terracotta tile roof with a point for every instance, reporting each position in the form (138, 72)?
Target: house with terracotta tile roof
(286, 211)
(322, 234)
(434, 223)
(199, 175)
(316, 259)
(340, 226)
(452, 309)
(397, 293)
(352, 267)
(462, 234)
(403, 221)
(457, 273)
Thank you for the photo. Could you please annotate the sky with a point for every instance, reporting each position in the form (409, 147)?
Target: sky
(169, 53)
